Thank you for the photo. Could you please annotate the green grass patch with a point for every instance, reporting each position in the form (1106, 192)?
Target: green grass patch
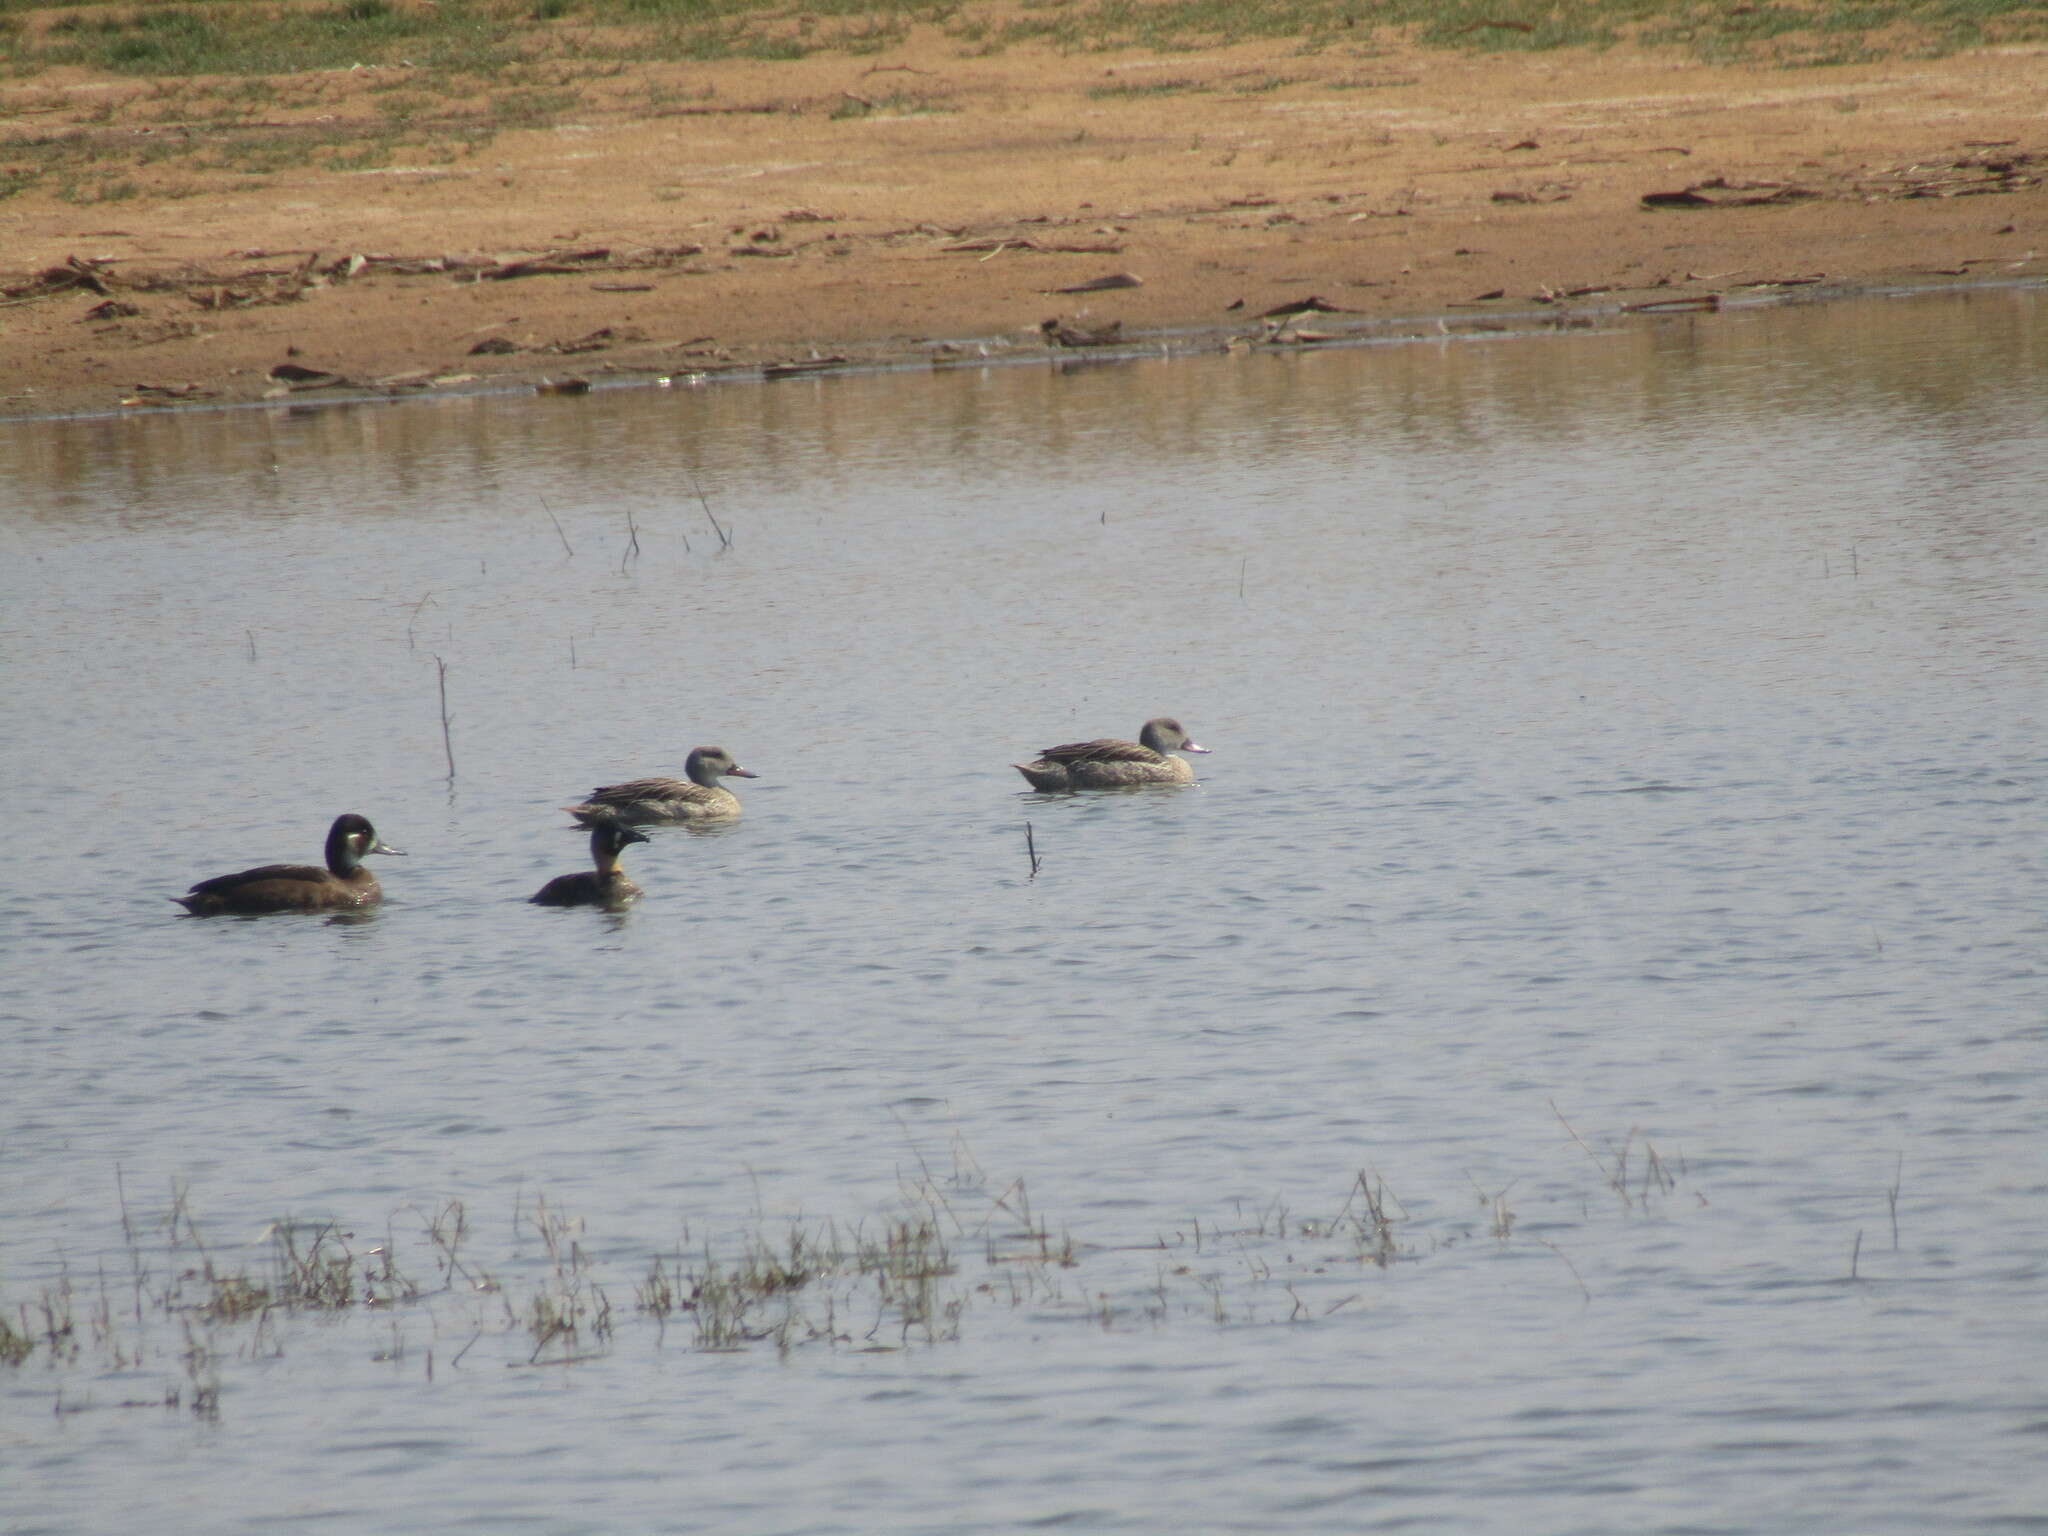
(1125, 90)
(1770, 32)
(276, 37)
(241, 40)
(258, 38)
(894, 104)
(533, 108)
(105, 190)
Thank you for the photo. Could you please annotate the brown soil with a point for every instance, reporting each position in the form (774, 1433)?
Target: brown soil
(878, 208)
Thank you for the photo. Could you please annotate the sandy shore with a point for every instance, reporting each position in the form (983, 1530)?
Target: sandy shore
(919, 203)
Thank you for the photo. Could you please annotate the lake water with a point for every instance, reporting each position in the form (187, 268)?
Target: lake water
(1575, 1063)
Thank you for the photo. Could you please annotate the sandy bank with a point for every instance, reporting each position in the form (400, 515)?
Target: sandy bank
(885, 207)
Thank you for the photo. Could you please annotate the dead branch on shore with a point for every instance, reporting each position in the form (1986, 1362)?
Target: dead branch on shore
(1000, 243)
(245, 287)
(1058, 333)
(1994, 168)
(1101, 284)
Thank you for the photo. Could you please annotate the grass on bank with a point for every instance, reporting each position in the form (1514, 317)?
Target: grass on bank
(227, 94)
(484, 37)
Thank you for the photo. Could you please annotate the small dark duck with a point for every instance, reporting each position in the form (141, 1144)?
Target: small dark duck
(698, 796)
(1111, 764)
(604, 886)
(342, 885)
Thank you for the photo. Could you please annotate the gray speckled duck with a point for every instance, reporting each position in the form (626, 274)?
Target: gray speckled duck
(1111, 764)
(696, 797)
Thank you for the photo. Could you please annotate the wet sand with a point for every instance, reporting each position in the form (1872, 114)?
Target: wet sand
(919, 204)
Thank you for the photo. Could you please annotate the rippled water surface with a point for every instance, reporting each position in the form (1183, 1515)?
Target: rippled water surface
(1574, 1063)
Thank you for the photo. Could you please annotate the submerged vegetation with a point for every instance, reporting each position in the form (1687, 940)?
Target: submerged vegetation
(170, 1305)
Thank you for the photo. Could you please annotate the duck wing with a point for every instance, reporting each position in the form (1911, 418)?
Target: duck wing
(645, 789)
(220, 884)
(1106, 750)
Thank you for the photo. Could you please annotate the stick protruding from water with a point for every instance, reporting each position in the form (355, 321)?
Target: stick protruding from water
(447, 741)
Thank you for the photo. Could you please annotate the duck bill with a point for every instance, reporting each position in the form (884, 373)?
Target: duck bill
(380, 846)
(737, 772)
(1189, 746)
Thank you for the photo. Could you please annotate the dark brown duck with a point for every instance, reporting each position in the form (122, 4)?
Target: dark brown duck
(604, 886)
(343, 884)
